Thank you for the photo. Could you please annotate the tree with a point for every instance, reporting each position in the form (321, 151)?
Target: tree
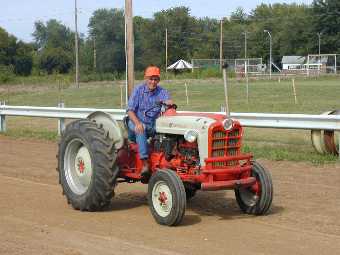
(290, 26)
(55, 44)
(17, 55)
(326, 20)
(53, 35)
(55, 60)
(23, 60)
(7, 47)
(107, 26)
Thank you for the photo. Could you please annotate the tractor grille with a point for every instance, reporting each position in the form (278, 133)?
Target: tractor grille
(225, 143)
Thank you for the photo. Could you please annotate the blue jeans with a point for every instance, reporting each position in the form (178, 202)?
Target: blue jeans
(142, 139)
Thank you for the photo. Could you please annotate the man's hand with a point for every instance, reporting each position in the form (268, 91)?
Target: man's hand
(168, 102)
(139, 128)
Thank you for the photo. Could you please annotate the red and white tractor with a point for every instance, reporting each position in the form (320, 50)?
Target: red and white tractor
(190, 152)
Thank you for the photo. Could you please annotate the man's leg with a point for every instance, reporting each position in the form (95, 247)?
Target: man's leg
(142, 142)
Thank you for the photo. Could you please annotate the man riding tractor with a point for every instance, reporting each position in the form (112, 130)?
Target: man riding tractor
(143, 110)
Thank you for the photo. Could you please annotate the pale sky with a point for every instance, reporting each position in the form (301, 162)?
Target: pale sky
(18, 16)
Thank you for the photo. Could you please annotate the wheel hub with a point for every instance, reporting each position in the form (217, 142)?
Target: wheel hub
(251, 195)
(162, 198)
(78, 166)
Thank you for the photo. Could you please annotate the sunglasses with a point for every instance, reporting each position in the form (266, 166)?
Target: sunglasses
(154, 79)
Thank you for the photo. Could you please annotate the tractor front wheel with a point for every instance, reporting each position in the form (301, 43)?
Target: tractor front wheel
(166, 196)
(257, 198)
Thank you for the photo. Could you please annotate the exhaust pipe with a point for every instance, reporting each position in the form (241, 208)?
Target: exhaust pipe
(227, 112)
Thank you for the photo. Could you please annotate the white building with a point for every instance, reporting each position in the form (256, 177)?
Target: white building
(293, 63)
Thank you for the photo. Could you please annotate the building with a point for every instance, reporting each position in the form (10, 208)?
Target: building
(293, 63)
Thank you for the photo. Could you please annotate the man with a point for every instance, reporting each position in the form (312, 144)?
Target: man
(143, 110)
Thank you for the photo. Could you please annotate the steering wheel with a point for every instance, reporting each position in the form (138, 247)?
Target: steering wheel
(159, 106)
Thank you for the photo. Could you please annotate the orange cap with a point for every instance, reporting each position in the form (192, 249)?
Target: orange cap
(152, 71)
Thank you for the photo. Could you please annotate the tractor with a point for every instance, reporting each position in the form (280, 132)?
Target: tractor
(190, 151)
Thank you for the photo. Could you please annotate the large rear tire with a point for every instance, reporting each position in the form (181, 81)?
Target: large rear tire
(257, 198)
(166, 196)
(86, 166)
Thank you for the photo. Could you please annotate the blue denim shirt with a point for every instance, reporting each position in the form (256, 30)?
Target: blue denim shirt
(143, 102)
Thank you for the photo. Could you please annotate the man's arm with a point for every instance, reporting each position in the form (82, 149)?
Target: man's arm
(131, 111)
(166, 97)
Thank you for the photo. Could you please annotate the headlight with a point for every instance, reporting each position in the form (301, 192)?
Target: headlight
(190, 136)
(227, 124)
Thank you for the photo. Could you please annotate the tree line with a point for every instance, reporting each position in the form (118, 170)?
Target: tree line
(294, 29)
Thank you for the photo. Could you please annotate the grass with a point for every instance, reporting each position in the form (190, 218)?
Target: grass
(41, 134)
(314, 97)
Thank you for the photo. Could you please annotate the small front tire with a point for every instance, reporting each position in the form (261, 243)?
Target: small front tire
(166, 196)
(257, 198)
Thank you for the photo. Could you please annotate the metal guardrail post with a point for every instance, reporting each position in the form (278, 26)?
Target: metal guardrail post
(61, 121)
(2, 119)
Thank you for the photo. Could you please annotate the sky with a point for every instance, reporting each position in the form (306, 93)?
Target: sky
(18, 16)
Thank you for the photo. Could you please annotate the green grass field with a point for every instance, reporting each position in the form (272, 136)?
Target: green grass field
(314, 97)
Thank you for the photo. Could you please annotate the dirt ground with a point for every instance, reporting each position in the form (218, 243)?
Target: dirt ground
(35, 218)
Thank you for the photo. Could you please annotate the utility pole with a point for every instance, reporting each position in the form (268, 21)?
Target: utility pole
(76, 42)
(166, 50)
(319, 36)
(319, 62)
(245, 43)
(221, 45)
(270, 52)
(129, 45)
(94, 54)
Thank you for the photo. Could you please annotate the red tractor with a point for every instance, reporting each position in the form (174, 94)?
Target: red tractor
(190, 152)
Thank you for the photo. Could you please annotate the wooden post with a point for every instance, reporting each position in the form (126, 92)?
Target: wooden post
(129, 45)
(2, 120)
(294, 91)
(186, 92)
(61, 121)
(247, 81)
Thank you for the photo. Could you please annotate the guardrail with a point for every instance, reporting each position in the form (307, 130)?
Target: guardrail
(258, 120)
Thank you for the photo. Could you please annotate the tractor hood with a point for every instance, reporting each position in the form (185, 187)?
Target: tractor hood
(182, 122)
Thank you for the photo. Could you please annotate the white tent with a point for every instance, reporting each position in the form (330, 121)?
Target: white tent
(180, 64)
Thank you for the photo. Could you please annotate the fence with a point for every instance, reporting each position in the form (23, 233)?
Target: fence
(327, 141)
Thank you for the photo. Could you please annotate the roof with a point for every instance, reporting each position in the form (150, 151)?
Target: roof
(297, 60)
(180, 64)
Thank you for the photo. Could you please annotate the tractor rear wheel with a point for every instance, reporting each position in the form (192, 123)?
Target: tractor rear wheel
(166, 196)
(86, 166)
(257, 198)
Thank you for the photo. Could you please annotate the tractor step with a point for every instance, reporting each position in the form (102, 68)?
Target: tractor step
(233, 184)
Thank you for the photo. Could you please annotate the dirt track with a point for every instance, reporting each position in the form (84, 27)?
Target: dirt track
(35, 218)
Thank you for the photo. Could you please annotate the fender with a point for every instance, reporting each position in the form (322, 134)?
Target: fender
(110, 125)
